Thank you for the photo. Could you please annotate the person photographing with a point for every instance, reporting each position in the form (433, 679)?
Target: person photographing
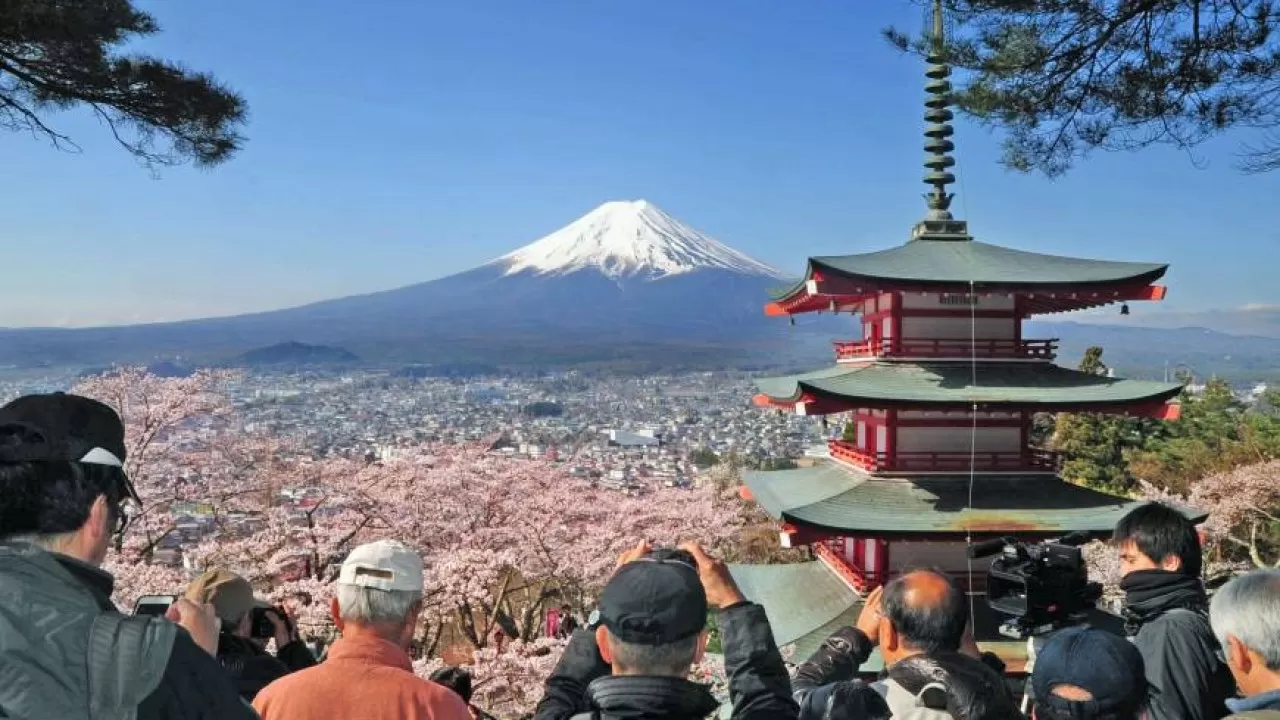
(633, 658)
(66, 652)
(246, 626)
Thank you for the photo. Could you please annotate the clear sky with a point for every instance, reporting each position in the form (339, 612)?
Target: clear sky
(393, 142)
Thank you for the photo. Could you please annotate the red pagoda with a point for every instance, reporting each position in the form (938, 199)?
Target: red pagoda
(941, 390)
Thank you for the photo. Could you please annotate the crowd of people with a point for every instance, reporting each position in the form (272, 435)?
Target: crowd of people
(67, 653)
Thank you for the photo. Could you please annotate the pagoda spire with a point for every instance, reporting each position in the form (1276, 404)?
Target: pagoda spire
(938, 223)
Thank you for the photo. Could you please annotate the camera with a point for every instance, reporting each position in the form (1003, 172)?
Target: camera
(675, 555)
(1041, 587)
(260, 625)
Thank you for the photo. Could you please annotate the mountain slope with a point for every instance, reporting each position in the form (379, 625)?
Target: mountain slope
(628, 239)
(624, 279)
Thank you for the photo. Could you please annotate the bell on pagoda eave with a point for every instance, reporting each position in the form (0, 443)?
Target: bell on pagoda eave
(1124, 308)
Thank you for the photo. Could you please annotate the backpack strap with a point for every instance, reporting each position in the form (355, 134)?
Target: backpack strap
(127, 658)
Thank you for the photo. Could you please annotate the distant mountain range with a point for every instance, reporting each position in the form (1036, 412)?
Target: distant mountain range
(296, 354)
(626, 285)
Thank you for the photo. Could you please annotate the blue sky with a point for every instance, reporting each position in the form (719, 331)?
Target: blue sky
(394, 142)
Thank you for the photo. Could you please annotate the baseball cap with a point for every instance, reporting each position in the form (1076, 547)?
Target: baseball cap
(655, 600)
(230, 594)
(1106, 665)
(384, 565)
(68, 428)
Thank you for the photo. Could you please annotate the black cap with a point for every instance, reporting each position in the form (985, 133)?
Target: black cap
(69, 428)
(656, 600)
(1106, 665)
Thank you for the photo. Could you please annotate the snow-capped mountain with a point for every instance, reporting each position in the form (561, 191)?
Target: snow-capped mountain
(623, 282)
(628, 239)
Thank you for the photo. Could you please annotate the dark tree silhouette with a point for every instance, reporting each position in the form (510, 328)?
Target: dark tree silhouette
(58, 54)
(1064, 77)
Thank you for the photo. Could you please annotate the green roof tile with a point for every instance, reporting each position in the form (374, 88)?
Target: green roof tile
(951, 262)
(792, 614)
(1011, 383)
(832, 497)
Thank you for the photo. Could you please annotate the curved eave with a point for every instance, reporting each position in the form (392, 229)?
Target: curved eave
(828, 499)
(951, 385)
(1049, 283)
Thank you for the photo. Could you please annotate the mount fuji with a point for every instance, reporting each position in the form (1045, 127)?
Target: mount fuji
(624, 282)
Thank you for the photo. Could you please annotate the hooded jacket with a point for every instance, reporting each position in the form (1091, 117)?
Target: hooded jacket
(1166, 617)
(581, 684)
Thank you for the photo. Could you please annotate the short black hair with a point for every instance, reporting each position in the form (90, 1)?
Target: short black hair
(1158, 531)
(456, 679)
(51, 497)
(928, 628)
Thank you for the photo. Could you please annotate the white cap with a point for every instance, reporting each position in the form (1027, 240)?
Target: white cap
(385, 565)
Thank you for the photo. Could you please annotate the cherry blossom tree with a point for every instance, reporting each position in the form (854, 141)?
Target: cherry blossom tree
(503, 539)
(1244, 506)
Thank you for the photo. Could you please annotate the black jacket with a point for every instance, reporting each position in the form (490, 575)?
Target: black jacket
(974, 688)
(758, 685)
(1187, 678)
(252, 669)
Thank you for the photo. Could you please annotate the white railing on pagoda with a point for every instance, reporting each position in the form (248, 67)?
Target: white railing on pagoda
(1028, 460)
(958, 348)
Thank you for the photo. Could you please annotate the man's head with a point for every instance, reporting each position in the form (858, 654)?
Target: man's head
(62, 481)
(921, 612)
(1085, 673)
(652, 616)
(1245, 614)
(231, 597)
(380, 591)
(1155, 536)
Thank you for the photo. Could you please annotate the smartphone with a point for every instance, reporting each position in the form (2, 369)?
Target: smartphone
(260, 625)
(154, 604)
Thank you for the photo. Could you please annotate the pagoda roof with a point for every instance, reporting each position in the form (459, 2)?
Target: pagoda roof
(835, 498)
(959, 262)
(1025, 384)
(801, 618)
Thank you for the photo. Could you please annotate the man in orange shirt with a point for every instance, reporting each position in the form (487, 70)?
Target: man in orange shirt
(367, 675)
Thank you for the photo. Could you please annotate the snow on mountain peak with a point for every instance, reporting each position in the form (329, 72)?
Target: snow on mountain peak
(624, 239)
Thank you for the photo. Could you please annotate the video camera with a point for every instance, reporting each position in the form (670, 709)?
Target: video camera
(1042, 587)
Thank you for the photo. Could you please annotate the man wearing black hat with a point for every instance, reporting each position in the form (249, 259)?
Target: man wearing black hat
(66, 653)
(633, 659)
(1085, 673)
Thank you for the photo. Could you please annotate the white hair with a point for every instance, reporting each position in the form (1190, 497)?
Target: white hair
(670, 660)
(1248, 608)
(371, 606)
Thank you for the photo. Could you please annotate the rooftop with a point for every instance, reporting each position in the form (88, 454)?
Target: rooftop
(961, 384)
(829, 497)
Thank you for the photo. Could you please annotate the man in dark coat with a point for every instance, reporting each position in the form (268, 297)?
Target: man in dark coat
(1167, 615)
(66, 653)
(649, 630)
(934, 670)
(242, 654)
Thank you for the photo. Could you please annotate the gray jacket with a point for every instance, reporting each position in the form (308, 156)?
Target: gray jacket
(67, 654)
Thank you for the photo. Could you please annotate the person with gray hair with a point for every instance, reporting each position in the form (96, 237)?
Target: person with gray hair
(368, 673)
(1245, 614)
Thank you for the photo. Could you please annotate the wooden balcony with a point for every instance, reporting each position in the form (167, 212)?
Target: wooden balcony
(1031, 460)
(949, 349)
